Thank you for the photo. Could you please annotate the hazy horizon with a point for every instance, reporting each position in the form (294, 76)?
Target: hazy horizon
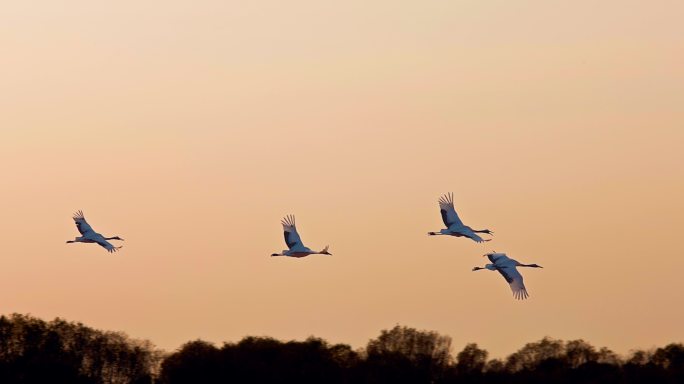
(191, 129)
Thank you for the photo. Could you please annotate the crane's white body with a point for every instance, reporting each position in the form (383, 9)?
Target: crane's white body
(294, 242)
(88, 235)
(454, 225)
(507, 268)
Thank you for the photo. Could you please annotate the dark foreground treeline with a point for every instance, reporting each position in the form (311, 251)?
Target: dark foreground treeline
(35, 351)
(406, 355)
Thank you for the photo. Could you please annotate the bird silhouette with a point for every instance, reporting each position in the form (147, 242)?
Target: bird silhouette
(454, 225)
(294, 242)
(507, 268)
(88, 235)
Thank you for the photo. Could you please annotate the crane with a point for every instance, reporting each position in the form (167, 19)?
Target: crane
(88, 235)
(294, 242)
(455, 226)
(507, 268)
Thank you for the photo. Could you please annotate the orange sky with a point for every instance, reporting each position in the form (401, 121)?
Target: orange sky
(191, 128)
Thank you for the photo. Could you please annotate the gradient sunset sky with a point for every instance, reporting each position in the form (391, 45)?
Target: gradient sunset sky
(190, 128)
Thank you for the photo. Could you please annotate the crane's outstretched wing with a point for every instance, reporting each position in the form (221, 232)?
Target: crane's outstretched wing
(476, 237)
(515, 280)
(290, 230)
(81, 223)
(446, 208)
(106, 244)
(498, 258)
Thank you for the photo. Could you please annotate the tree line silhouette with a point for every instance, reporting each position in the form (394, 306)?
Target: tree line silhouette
(36, 351)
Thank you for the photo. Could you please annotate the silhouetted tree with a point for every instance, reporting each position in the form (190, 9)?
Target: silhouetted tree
(196, 361)
(495, 366)
(578, 352)
(261, 360)
(671, 359)
(35, 351)
(471, 360)
(532, 355)
(408, 355)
